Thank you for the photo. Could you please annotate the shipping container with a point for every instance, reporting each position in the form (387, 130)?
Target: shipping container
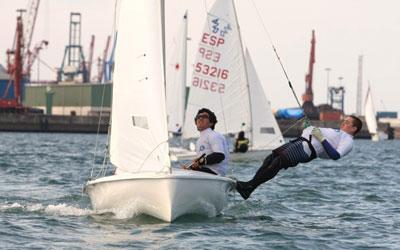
(330, 115)
(386, 114)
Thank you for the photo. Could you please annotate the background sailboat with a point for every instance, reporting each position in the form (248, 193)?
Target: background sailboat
(370, 118)
(144, 181)
(219, 81)
(222, 83)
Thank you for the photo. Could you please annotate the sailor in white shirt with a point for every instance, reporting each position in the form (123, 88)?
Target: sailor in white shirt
(211, 147)
(314, 142)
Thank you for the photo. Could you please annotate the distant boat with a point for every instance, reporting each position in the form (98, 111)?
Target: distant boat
(225, 81)
(370, 118)
(144, 180)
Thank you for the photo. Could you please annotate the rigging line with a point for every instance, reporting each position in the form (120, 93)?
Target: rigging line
(151, 152)
(107, 154)
(285, 131)
(46, 65)
(98, 131)
(277, 55)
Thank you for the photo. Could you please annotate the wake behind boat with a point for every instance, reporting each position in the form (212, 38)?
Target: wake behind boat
(144, 179)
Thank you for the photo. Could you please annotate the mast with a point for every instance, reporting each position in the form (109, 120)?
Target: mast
(245, 70)
(359, 85)
(162, 7)
(184, 66)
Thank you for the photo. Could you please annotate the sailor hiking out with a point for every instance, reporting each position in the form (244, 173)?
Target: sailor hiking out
(325, 143)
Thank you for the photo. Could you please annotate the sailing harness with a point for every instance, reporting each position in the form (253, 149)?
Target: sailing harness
(293, 152)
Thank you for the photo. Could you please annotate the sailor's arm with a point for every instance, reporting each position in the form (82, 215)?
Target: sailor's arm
(330, 151)
(212, 158)
(217, 146)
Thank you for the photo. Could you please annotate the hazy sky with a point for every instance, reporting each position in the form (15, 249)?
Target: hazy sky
(344, 30)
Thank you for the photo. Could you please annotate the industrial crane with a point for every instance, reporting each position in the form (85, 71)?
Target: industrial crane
(102, 62)
(308, 105)
(31, 57)
(14, 69)
(20, 58)
(90, 60)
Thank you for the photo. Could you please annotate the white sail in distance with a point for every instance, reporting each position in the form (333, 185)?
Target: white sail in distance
(176, 79)
(369, 110)
(266, 132)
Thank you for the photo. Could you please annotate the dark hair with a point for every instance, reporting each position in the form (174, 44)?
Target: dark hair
(356, 123)
(241, 135)
(211, 116)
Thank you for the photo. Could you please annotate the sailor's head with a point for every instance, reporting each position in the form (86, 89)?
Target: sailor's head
(205, 119)
(351, 125)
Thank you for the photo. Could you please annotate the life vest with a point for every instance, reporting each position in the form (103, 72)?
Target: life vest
(242, 145)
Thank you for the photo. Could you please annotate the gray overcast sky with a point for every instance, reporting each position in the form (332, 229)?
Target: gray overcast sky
(344, 29)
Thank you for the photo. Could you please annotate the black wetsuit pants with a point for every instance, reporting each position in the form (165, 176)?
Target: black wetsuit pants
(288, 155)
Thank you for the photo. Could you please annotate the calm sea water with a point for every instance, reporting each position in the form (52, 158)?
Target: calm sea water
(353, 203)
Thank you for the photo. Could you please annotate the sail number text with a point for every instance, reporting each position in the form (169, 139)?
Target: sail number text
(209, 54)
(212, 40)
(208, 85)
(212, 71)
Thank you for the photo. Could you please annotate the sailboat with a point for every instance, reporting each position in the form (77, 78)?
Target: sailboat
(370, 118)
(144, 180)
(225, 81)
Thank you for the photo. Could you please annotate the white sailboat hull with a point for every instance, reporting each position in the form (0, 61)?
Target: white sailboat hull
(165, 196)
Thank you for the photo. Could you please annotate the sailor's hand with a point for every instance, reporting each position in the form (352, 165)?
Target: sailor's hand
(306, 123)
(316, 132)
(184, 166)
(195, 165)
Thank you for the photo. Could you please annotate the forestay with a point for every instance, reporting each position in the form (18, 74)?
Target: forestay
(139, 128)
(219, 79)
(266, 132)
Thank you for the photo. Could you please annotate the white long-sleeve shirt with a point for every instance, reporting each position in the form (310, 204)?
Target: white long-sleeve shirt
(339, 140)
(213, 142)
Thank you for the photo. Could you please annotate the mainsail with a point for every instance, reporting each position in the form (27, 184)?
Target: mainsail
(219, 79)
(139, 129)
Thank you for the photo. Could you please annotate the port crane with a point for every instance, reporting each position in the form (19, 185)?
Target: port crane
(20, 58)
(308, 97)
